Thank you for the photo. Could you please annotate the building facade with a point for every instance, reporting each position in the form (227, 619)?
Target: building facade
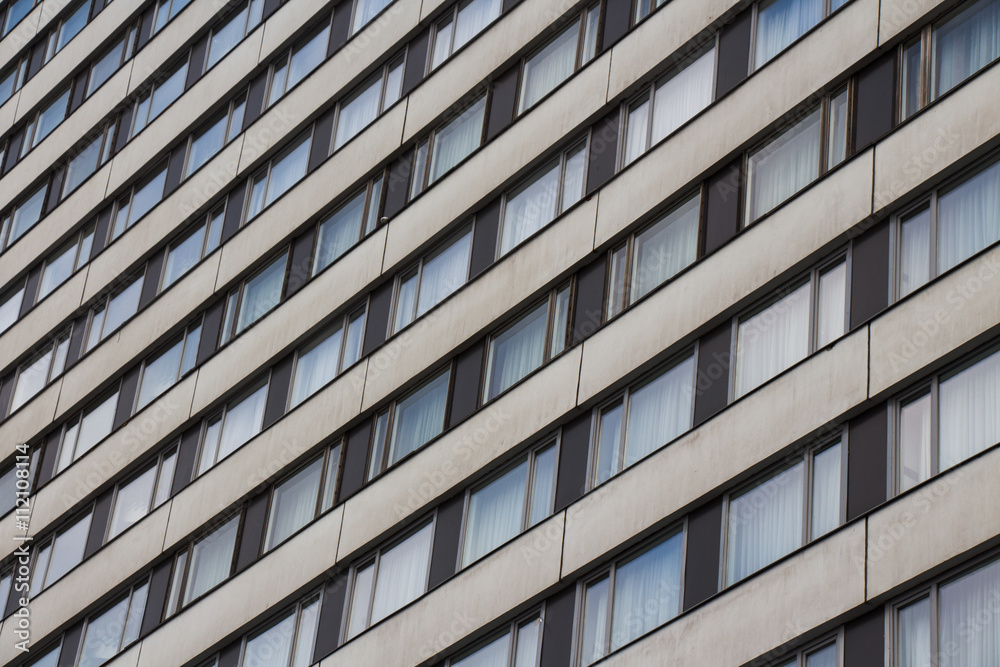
(524, 333)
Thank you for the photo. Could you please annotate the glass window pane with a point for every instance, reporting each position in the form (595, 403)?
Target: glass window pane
(287, 171)
(964, 44)
(910, 95)
(159, 374)
(442, 42)
(272, 647)
(165, 479)
(226, 37)
(361, 600)
(765, 523)
(914, 251)
(419, 169)
(837, 149)
(393, 85)
(419, 417)
(293, 504)
(609, 439)
(243, 421)
(102, 637)
(96, 424)
(121, 307)
(494, 654)
(914, 634)
(683, 95)
(636, 131)
(27, 214)
(330, 483)
(83, 164)
(306, 635)
(366, 11)
(560, 322)
(168, 91)
(146, 197)
(590, 34)
(133, 623)
(784, 166)
(550, 66)
(31, 379)
(825, 657)
(307, 57)
(378, 444)
(16, 11)
(206, 144)
(665, 247)
(444, 273)
(72, 25)
(573, 184)
(358, 112)
(772, 340)
(594, 643)
(67, 551)
(530, 207)
(406, 296)
(914, 442)
(50, 117)
(316, 366)
(352, 347)
(516, 352)
(10, 307)
(40, 568)
(826, 491)
(529, 639)
(105, 67)
(132, 502)
(210, 445)
(968, 624)
(339, 232)
(832, 312)
(402, 573)
(261, 293)
(659, 411)
(496, 513)
(183, 256)
(473, 17)
(969, 412)
(647, 591)
(968, 218)
(456, 140)
(543, 485)
(211, 560)
(781, 22)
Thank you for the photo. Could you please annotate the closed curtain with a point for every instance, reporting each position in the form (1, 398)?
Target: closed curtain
(595, 622)
(293, 504)
(339, 232)
(826, 491)
(132, 502)
(96, 424)
(784, 166)
(965, 44)
(444, 273)
(31, 379)
(472, 18)
(552, 65)
(402, 574)
(970, 411)
(366, 11)
(913, 623)
(529, 636)
(103, 636)
(457, 139)
(969, 218)
(682, 96)
(306, 636)
(160, 374)
(659, 411)
(496, 512)
(665, 248)
(647, 592)
(968, 619)
(261, 293)
(288, 171)
(316, 367)
(494, 654)
(356, 114)
(308, 57)
(273, 647)
(782, 22)
(772, 340)
(517, 351)
(765, 523)
(530, 208)
(915, 252)
(419, 418)
(183, 256)
(914, 442)
(636, 131)
(825, 657)
(543, 485)
(211, 560)
(243, 421)
(406, 296)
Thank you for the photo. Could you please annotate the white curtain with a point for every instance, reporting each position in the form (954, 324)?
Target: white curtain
(914, 442)
(306, 636)
(96, 424)
(914, 629)
(969, 620)
(595, 622)
(132, 502)
(31, 379)
(772, 340)
(647, 592)
(293, 504)
(659, 411)
(308, 57)
(103, 636)
(826, 491)
(552, 65)
(211, 560)
(288, 171)
(165, 93)
(832, 311)
(366, 11)
(419, 417)
(361, 600)
(689, 91)
(970, 411)
(825, 657)
(261, 293)
(765, 523)
(609, 439)
(226, 37)
(666, 247)
(27, 214)
(243, 421)
(784, 166)
(339, 232)
(57, 269)
(472, 18)
(915, 252)
(542, 485)
(530, 207)
(494, 654)
(495, 514)
(573, 185)
(965, 44)
(529, 636)
(402, 573)
(457, 139)
(782, 22)
(636, 131)
(273, 647)
(444, 273)
(517, 351)
(406, 298)
(357, 113)
(159, 375)
(969, 218)
(183, 256)
(316, 367)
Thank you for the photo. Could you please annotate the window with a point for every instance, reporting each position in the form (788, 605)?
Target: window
(10, 306)
(59, 554)
(948, 52)
(86, 429)
(111, 60)
(203, 565)
(143, 493)
(797, 156)
(807, 316)
(218, 132)
(166, 10)
(295, 64)
(68, 28)
(6, 579)
(16, 11)
(253, 298)
(447, 146)
(352, 221)
(12, 78)
(409, 423)
(162, 371)
(555, 62)
(48, 659)
(953, 224)
(519, 645)
(89, 157)
(951, 622)
(781, 22)
(635, 595)
(112, 311)
(669, 103)
(544, 195)
(647, 416)
(139, 201)
(317, 363)
(36, 373)
(653, 255)
(364, 105)
(527, 343)
(460, 24)
(949, 419)
(511, 502)
(193, 246)
(65, 261)
(819, 654)
(161, 94)
(108, 633)
(233, 31)
(24, 216)
(365, 11)
(301, 497)
(8, 499)
(287, 641)
(281, 173)
(391, 579)
(420, 288)
(227, 430)
(644, 7)
(46, 120)
(777, 514)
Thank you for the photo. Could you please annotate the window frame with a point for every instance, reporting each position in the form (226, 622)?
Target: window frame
(511, 628)
(826, 12)
(76, 420)
(285, 61)
(7, 218)
(30, 140)
(129, 597)
(109, 132)
(55, 367)
(204, 223)
(397, 61)
(341, 322)
(227, 113)
(157, 464)
(220, 413)
(266, 172)
(807, 650)
(230, 320)
(161, 169)
(127, 46)
(105, 304)
(374, 191)
(50, 542)
(146, 97)
(175, 604)
(184, 338)
(274, 620)
(427, 143)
